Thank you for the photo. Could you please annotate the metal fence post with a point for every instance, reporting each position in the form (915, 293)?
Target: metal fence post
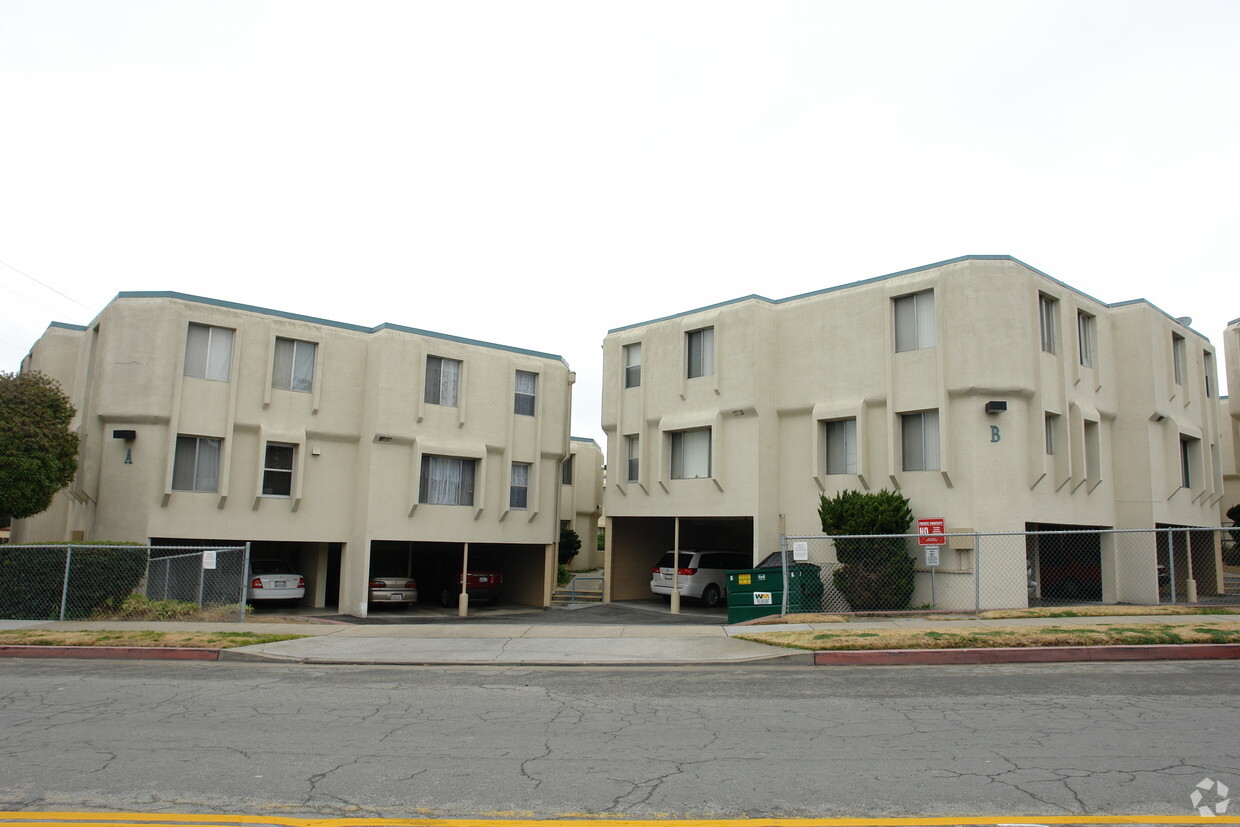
(245, 570)
(1171, 562)
(977, 573)
(784, 554)
(64, 588)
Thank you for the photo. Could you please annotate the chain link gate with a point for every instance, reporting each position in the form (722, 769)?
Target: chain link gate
(81, 581)
(976, 572)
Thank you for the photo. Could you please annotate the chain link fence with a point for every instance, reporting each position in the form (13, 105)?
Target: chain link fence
(80, 582)
(978, 572)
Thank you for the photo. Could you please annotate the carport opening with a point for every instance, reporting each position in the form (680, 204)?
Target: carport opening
(1174, 549)
(637, 543)
(303, 558)
(499, 573)
(1063, 567)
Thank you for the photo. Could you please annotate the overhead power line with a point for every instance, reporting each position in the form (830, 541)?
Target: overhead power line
(43, 285)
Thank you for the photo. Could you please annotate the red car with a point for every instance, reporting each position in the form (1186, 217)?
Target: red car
(481, 586)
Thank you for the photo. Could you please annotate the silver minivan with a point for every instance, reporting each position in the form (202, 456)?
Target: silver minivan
(703, 574)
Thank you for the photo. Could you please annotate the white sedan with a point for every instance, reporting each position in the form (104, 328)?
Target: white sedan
(274, 580)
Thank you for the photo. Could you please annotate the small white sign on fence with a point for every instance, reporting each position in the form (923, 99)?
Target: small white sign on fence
(208, 558)
(800, 550)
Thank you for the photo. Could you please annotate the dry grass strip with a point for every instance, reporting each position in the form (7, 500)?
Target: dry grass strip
(947, 637)
(1000, 614)
(180, 640)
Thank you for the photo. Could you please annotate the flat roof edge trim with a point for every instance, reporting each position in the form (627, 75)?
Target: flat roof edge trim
(283, 314)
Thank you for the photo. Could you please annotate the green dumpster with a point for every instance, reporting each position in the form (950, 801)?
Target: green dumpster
(754, 593)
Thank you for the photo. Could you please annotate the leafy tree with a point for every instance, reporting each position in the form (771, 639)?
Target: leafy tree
(38, 452)
(877, 572)
(570, 544)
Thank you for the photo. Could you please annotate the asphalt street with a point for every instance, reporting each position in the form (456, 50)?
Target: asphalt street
(1046, 740)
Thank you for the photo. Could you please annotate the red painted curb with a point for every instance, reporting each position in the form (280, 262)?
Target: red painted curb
(1046, 654)
(121, 652)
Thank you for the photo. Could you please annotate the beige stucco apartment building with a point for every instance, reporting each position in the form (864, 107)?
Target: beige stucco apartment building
(1229, 421)
(581, 499)
(348, 451)
(987, 392)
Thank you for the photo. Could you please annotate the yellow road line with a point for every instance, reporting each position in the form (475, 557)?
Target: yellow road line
(75, 819)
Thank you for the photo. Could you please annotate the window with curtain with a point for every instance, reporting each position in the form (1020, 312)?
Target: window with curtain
(633, 451)
(278, 469)
(841, 440)
(691, 454)
(700, 346)
(443, 380)
(196, 464)
(526, 393)
(919, 443)
(519, 488)
(1085, 338)
(447, 481)
(1051, 424)
(633, 365)
(1048, 314)
(294, 365)
(914, 315)
(208, 352)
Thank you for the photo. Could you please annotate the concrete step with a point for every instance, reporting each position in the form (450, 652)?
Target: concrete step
(564, 594)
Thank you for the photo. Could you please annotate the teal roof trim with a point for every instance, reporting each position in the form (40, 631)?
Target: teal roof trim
(266, 311)
(873, 280)
(583, 439)
(67, 326)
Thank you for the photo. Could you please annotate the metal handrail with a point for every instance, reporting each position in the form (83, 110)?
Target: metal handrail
(572, 587)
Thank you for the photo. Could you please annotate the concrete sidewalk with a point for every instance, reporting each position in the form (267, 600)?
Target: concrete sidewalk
(567, 643)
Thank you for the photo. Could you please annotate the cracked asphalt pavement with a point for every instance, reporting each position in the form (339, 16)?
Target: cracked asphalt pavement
(684, 742)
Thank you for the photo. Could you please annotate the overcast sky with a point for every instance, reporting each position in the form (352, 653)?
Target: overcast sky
(535, 173)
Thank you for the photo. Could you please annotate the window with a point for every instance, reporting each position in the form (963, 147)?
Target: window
(1048, 311)
(566, 472)
(519, 488)
(1177, 357)
(1085, 338)
(447, 481)
(196, 464)
(527, 388)
(208, 352)
(633, 365)
(701, 352)
(278, 470)
(1207, 361)
(632, 445)
(915, 321)
(1093, 452)
(443, 380)
(294, 365)
(1050, 432)
(919, 441)
(841, 446)
(691, 454)
(1186, 461)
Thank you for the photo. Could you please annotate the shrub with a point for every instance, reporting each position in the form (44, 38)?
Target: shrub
(34, 578)
(877, 573)
(570, 544)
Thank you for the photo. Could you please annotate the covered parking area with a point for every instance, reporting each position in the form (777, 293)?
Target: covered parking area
(634, 545)
(525, 570)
